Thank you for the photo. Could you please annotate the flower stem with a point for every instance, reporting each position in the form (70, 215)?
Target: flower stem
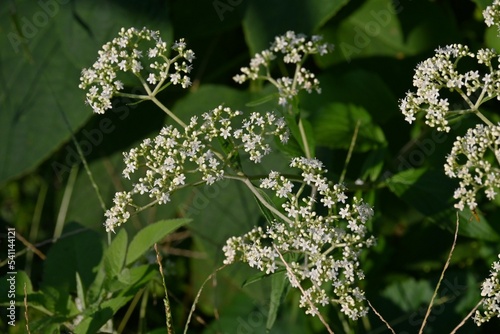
(467, 317)
(304, 139)
(440, 279)
(259, 197)
(167, 111)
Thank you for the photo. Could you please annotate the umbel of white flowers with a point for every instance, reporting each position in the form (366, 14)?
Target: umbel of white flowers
(142, 53)
(475, 157)
(325, 247)
(329, 245)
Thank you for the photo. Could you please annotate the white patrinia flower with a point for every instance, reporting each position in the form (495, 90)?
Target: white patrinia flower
(173, 155)
(291, 48)
(490, 291)
(329, 244)
(122, 55)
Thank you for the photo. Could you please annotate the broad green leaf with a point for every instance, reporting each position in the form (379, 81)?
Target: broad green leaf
(266, 19)
(409, 294)
(373, 165)
(103, 139)
(426, 190)
(241, 315)
(400, 183)
(279, 284)
(430, 192)
(218, 212)
(475, 225)
(268, 214)
(491, 38)
(482, 4)
(334, 127)
(149, 235)
(263, 100)
(296, 135)
(114, 257)
(387, 28)
(41, 58)
(98, 315)
(78, 250)
(357, 87)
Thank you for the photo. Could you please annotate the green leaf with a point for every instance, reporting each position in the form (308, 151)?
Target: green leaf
(40, 66)
(491, 38)
(114, 257)
(471, 227)
(262, 100)
(279, 284)
(357, 87)
(482, 4)
(373, 164)
(78, 250)
(335, 124)
(151, 234)
(409, 294)
(266, 19)
(270, 217)
(428, 191)
(96, 316)
(388, 28)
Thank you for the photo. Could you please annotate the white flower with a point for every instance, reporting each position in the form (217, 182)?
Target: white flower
(329, 245)
(490, 290)
(123, 54)
(470, 162)
(294, 49)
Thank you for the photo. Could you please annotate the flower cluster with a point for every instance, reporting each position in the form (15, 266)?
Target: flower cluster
(173, 155)
(328, 246)
(470, 161)
(492, 14)
(294, 49)
(440, 72)
(125, 54)
(490, 290)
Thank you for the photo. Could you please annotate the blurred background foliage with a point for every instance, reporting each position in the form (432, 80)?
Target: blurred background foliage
(46, 194)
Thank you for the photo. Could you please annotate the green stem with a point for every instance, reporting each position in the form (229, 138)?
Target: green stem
(349, 153)
(133, 96)
(168, 310)
(475, 107)
(259, 197)
(63, 209)
(440, 278)
(167, 111)
(483, 118)
(304, 139)
(467, 316)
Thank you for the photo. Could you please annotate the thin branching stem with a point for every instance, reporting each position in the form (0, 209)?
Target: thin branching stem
(193, 307)
(349, 153)
(380, 317)
(291, 274)
(424, 322)
(168, 310)
(467, 317)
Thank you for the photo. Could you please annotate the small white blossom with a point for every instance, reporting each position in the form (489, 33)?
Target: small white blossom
(440, 73)
(172, 155)
(492, 14)
(490, 291)
(122, 55)
(474, 160)
(294, 49)
(341, 231)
